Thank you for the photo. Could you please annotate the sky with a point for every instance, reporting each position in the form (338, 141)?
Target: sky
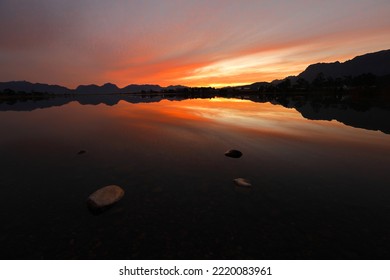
(188, 42)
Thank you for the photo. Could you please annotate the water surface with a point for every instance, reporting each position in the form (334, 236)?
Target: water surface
(320, 188)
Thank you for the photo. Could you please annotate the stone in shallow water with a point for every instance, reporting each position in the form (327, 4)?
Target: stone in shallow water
(233, 154)
(105, 197)
(241, 182)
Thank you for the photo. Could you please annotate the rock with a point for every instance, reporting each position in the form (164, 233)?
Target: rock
(241, 182)
(81, 152)
(105, 197)
(233, 154)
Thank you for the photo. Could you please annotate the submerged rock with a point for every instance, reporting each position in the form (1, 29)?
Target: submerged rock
(105, 197)
(233, 154)
(241, 182)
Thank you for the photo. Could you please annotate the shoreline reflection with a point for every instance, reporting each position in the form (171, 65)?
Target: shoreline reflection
(313, 108)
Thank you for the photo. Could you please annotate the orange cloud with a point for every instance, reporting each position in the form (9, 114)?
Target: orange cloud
(196, 43)
(248, 64)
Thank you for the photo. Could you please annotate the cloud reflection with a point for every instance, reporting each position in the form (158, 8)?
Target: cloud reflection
(218, 116)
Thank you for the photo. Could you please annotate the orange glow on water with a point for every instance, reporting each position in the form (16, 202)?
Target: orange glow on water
(148, 122)
(234, 116)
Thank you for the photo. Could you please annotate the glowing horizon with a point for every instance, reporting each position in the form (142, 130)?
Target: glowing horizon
(192, 43)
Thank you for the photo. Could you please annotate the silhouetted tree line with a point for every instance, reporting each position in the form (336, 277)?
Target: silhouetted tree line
(10, 96)
(367, 82)
(11, 92)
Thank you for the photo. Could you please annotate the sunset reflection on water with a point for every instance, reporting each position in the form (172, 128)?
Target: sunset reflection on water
(241, 116)
(311, 180)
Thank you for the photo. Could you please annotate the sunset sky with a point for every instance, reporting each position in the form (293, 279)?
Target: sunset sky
(188, 42)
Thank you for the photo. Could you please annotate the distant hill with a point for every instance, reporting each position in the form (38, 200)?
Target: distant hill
(95, 89)
(140, 88)
(111, 88)
(377, 63)
(108, 88)
(175, 87)
(23, 86)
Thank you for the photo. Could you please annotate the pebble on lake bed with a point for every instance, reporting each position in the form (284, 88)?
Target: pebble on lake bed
(241, 182)
(233, 154)
(105, 196)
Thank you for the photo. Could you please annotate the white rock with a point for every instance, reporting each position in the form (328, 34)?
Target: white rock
(105, 196)
(241, 182)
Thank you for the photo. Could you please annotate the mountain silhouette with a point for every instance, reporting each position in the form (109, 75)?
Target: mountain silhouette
(139, 88)
(377, 63)
(95, 89)
(23, 86)
(108, 88)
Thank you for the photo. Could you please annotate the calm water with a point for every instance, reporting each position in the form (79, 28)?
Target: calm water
(321, 189)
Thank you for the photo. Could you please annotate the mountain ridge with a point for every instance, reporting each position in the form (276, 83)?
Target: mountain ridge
(375, 63)
(107, 88)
